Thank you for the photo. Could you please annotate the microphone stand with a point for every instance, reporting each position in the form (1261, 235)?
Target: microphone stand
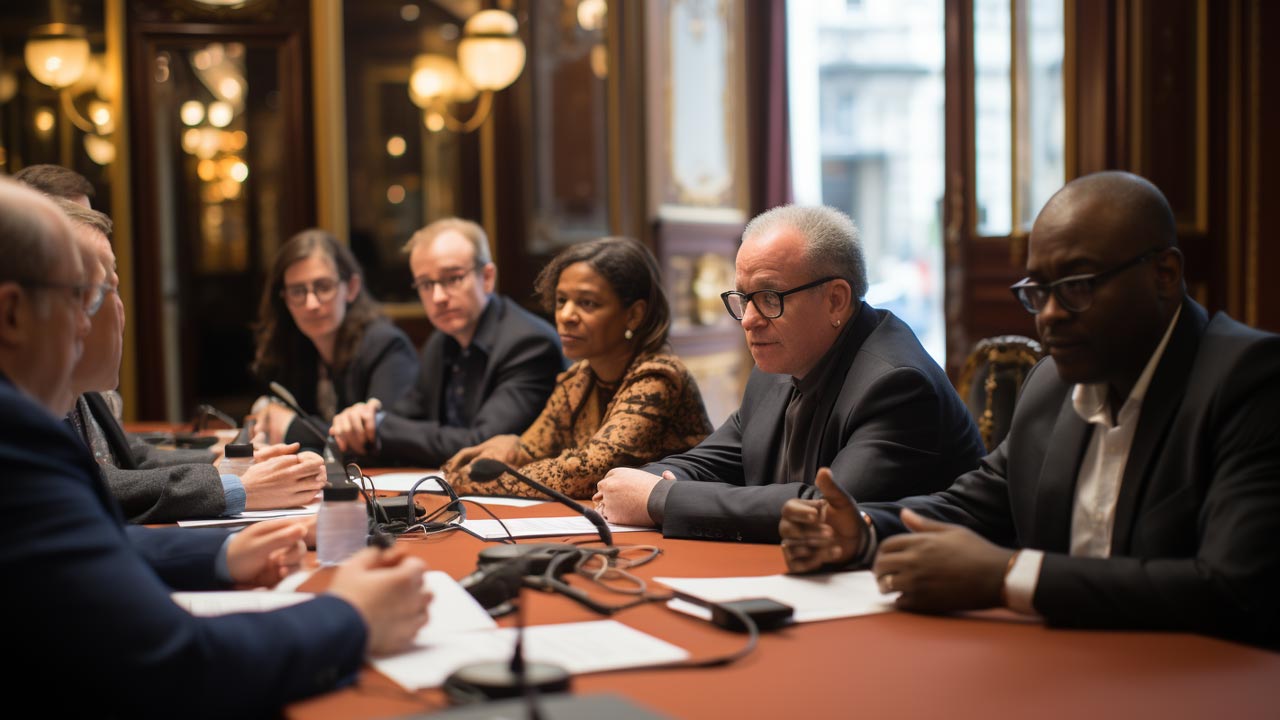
(334, 470)
(512, 678)
(488, 470)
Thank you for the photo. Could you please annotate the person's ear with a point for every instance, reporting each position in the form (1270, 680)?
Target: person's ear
(839, 297)
(13, 331)
(635, 314)
(489, 274)
(1169, 280)
(353, 287)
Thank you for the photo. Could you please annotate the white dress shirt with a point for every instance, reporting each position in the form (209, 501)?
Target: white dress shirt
(1093, 513)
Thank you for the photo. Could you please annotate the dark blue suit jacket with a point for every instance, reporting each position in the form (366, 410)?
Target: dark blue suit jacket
(88, 620)
(1194, 544)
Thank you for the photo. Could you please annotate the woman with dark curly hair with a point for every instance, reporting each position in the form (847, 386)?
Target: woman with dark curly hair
(322, 337)
(626, 400)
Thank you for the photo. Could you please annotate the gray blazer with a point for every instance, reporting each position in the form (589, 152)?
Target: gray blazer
(1194, 545)
(156, 486)
(895, 428)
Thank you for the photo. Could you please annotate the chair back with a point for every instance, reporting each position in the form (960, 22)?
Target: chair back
(991, 380)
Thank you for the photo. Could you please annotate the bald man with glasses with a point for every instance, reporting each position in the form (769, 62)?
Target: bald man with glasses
(837, 382)
(1139, 484)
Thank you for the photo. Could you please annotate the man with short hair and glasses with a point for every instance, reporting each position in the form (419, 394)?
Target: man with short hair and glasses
(487, 370)
(1139, 484)
(837, 382)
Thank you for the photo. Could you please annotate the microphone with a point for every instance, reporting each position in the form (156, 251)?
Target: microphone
(488, 470)
(326, 440)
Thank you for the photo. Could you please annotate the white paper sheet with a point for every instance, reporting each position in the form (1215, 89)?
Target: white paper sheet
(499, 500)
(577, 647)
(208, 604)
(253, 516)
(403, 482)
(813, 597)
(453, 610)
(541, 527)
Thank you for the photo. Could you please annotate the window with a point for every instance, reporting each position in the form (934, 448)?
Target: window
(867, 124)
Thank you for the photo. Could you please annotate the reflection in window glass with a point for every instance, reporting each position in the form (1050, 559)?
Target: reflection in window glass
(873, 71)
(1043, 170)
(993, 115)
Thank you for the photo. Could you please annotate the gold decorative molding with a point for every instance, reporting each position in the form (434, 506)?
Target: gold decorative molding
(120, 172)
(1255, 100)
(1070, 89)
(330, 114)
(1234, 196)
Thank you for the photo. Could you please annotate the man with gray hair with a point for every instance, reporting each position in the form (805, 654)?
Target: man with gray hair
(837, 382)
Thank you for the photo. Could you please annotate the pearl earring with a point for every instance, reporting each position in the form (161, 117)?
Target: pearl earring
(835, 323)
(628, 334)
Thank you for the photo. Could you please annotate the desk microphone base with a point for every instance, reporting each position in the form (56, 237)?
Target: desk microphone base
(551, 707)
(494, 680)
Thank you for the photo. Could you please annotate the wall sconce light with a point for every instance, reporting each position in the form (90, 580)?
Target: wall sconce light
(58, 55)
(490, 57)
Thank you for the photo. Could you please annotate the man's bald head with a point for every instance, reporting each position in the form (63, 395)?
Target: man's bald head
(1134, 209)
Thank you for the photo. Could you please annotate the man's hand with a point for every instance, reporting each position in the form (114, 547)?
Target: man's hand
(940, 567)
(821, 532)
(264, 553)
(386, 588)
(622, 496)
(503, 448)
(356, 428)
(283, 481)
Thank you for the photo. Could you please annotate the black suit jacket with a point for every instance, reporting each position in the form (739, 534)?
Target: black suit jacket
(895, 428)
(523, 360)
(382, 367)
(1194, 545)
(81, 583)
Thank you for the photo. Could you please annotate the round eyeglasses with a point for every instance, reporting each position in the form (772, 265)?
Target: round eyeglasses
(325, 289)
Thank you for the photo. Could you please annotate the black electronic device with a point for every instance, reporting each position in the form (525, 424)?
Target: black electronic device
(767, 614)
(488, 470)
(536, 556)
(190, 440)
(396, 508)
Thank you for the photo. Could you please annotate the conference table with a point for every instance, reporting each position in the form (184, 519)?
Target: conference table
(889, 665)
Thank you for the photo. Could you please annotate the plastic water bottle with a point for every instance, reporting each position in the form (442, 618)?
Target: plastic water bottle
(342, 527)
(236, 459)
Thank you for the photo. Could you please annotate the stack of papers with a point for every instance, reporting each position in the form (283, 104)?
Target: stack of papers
(812, 597)
(460, 632)
(253, 516)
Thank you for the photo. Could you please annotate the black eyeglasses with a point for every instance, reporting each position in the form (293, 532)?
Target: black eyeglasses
(1075, 292)
(90, 296)
(768, 302)
(448, 283)
(325, 289)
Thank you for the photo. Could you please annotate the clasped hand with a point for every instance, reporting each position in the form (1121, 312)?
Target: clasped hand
(936, 567)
